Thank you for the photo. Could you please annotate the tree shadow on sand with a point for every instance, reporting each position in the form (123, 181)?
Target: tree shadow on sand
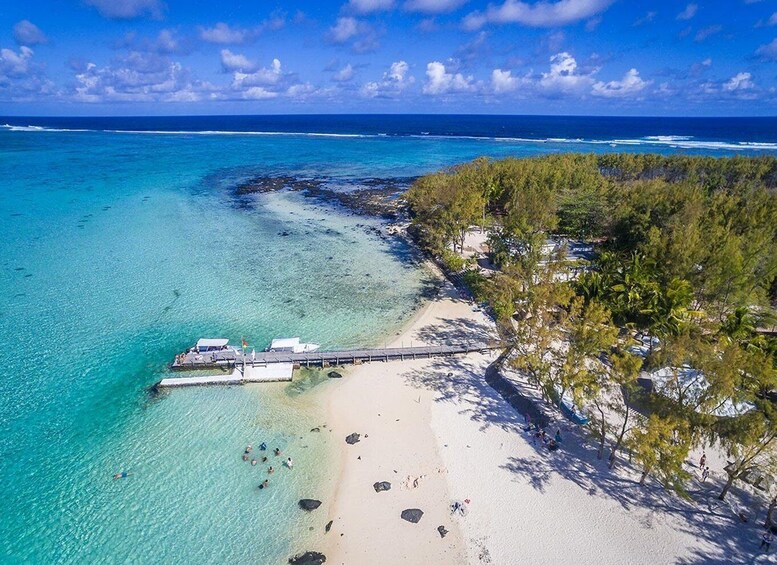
(715, 524)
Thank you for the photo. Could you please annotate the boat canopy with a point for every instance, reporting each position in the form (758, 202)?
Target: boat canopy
(210, 343)
(284, 344)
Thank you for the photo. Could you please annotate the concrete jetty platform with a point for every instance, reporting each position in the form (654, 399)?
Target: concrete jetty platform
(235, 358)
(276, 372)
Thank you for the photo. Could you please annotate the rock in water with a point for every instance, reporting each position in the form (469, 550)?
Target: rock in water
(328, 526)
(308, 558)
(381, 486)
(309, 504)
(442, 531)
(412, 515)
(351, 439)
(334, 375)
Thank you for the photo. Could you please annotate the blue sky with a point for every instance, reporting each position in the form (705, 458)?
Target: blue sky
(618, 57)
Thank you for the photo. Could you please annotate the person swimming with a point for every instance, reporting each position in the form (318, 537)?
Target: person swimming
(264, 484)
(122, 475)
(270, 471)
(262, 446)
(249, 449)
(264, 459)
(245, 456)
(289, 463)
(253, 461)
(277, 451)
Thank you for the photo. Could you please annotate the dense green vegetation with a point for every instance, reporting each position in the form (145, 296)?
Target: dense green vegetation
(686, 250)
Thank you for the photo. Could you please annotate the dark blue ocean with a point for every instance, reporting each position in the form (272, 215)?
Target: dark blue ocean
(585, 132)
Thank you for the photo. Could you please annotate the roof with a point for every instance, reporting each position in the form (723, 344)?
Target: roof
(284, 342)
(215, 342)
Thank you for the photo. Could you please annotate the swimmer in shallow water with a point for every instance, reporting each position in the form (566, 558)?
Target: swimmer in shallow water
(270, 471)
(289, 463)
(277, 451)
(122, 475)
(253, 461)
(264, 484)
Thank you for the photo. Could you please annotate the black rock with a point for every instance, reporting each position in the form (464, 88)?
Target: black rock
(442, 530)
(308, 558)
(351, 439)
(309, 504)
(412, 515)
(315, 429)
(381, 486)
(334, 375)
(328, 526)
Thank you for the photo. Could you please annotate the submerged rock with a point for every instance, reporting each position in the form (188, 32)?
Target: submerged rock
(412, 515)
(328, 526)
(316, 429)
(308, 558)
(334, 375)
(309, 504)
(351, 439)
(381, 486)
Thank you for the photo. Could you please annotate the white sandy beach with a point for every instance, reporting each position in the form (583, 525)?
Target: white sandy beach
(462, 441)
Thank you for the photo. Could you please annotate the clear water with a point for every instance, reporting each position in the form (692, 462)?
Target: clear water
(119, 250)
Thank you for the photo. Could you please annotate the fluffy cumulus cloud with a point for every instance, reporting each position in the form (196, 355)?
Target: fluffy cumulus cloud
(223, 34)
(538, 14)
(739, 83)
(20, 77)
(440, 81)
(768, 52)
(394, 81)
(231, 62)
(344, 75)
(359, 34)
(128, 9)
(140, 77)
(433, 6)
(370, 6)
(27, 33)
(564, 76)
(504, 81)
(630, 85)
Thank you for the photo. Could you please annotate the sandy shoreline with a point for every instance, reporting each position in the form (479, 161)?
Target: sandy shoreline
(438, 421)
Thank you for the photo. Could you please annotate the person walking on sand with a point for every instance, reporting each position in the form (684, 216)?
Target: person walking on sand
(766, 540)
(705, 474)
(703, 460)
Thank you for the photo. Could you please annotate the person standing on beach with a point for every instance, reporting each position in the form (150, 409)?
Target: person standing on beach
(766, 540)
(705, 474)
(703, 460)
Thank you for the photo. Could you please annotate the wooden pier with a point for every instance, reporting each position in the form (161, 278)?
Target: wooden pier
(274, 373)
(235, 359)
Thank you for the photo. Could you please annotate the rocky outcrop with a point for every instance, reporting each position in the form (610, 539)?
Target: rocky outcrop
(309, 504)
(412, 515)
(308, 558)
(353, 438)
(382, 486)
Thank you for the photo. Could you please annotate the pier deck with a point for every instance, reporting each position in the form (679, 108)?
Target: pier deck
(233, 358)
(276, 372)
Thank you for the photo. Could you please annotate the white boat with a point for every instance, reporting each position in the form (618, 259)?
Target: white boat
(292, 345)
(209, 345)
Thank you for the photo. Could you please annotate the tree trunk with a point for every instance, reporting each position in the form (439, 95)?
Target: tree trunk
(727, 486)
(621, 435)
(602, 432)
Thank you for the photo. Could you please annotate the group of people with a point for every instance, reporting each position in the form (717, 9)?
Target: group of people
(538, 433)
(254, 461)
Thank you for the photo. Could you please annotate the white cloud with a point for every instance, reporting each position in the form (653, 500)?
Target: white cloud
(433, 6)
(235, 61)
(370, 6)
(128, 9)
(27, 33)
(223, 34)
(15, 64)
(629, 85)
(504, 81)
(440, 81)
(344, 29)
(539, 14)
(739, 82)
(689, 12)
(564, 76)
(772, 21)
(261, 77)
(706, 32)
(343, 75)
(259, 93)
(394, 81)
(768, 51)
